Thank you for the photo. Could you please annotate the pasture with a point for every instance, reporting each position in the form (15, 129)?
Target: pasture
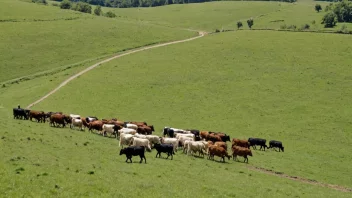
(225, 14)
(53, 38)
(288, 86)
(252, 83)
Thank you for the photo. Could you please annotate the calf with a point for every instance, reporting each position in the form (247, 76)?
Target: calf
(240, 151)
(257, 141)
(164, 148)
(76, 122)
(134, 151)
(276, 144)
(95, 125)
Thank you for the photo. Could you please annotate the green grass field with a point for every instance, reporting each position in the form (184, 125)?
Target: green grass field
(31, 46)
(289, 86)
(263, 84)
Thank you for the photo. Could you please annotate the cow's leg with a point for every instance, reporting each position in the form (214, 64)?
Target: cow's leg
(157, 154)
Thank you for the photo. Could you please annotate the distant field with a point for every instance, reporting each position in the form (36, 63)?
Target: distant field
(249, 83)
(34, 46)
(200, 16)
(217, 15)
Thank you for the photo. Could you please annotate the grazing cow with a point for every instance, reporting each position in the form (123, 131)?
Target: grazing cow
(111, 129)
(194, 147)
(164, 148)
(241, 143)
(218, 151)
(276, 144)
(59, 119)
(125, 139)
(76, 122)
(257, 141)
(131, 126)
(38, 115)
(221, 144)
(172, 141)
(134, 151)
(19, 113)
(141, 142)
(146, 130)
(241, 151)
(213, 138)
(95, 125)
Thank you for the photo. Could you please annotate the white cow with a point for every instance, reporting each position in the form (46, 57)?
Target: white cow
(109, 128)
(127, 131)
(131, 126)
(141, 142)
(185, 145)
(125, 139)
(140, 136)
(172, 141)
(185, 135)
(194, 147)
(153, 139)
(182, 139)
(76, 122)
(75, 116)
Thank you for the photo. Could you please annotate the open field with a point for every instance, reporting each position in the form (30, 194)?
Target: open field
(289, 86)
(30, 47)
(263, 84)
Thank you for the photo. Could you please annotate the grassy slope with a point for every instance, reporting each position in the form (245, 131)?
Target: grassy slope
(30, 47)
(263, 84)
(203, 16)
(58, 157)
(212, 15)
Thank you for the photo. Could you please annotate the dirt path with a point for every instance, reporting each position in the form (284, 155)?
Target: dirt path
(300, 179)
(201, 34)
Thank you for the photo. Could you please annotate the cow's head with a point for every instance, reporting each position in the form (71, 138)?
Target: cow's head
(283, 149)
(122, 151)
(227, 138)
(152, 127)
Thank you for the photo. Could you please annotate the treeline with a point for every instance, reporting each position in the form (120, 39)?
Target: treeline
(338, 12)
(149, 3)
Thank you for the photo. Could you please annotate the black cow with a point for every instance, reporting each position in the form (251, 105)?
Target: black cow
(276, 144)
(134, 151)
(195, 132)
(19, 113)
(257, 141)
(164, 148)
(168, 132)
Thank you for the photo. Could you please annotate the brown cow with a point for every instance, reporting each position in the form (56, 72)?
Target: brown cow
(84, 122)
(213, 138)
(97, 125)
(241, 143)
(203, 134)
(139, 123)
(145, 130)
(38, 115)
(59, 119)
(218, 151)
(240, 151)
(221, 144)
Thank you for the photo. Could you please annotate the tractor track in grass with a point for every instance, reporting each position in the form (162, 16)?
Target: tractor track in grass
(200, 34)
(299, 179)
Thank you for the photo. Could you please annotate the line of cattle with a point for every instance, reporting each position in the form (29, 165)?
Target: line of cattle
(137, 136)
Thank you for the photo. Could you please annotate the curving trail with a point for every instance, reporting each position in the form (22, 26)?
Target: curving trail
(201, 34)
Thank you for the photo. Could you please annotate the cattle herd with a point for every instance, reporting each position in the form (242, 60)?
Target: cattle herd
(138, 136)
